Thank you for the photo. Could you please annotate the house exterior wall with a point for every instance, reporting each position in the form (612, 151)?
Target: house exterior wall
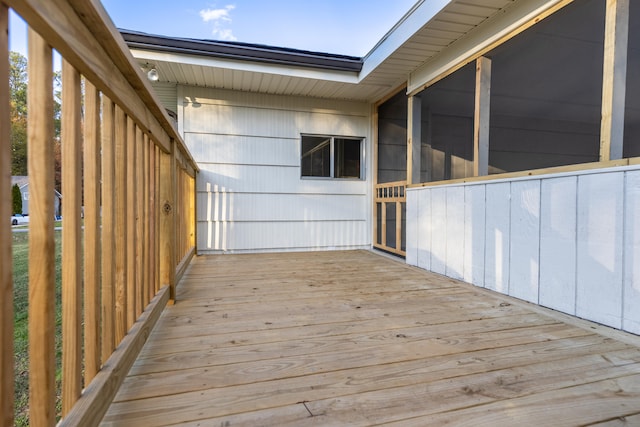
(167, 94)
(23, 184)
(568, 241)
(250, 194)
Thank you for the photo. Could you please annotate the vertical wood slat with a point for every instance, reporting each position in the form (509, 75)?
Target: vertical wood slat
(6, 257)
(383, 219)
(399, 226)
(157, 214)
(138, 186)
(173, 224)
(614, 79)
(147, 221)
(42, 392)
(481, 117)
(108, 228)
(184, 214)
(120, 225)
(71, 138)
(129, 217)
(178, 218)
(91, 232)
(153, 217)
(193, 217)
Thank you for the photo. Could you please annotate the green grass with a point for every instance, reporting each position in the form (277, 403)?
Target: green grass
(20, 306)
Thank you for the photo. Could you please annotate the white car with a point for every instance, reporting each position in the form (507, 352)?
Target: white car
(18, 219)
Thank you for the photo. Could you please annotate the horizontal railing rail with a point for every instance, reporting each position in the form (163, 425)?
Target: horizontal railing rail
(128, 211)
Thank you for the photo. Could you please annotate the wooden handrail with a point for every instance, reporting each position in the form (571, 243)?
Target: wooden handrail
(138, 202)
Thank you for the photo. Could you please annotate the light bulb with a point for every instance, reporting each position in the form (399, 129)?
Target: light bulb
(153, 74)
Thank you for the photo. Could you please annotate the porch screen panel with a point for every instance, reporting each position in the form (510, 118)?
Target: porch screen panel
(632, 99)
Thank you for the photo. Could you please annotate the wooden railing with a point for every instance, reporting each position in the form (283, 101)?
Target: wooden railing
(128, 228)
(389, 194)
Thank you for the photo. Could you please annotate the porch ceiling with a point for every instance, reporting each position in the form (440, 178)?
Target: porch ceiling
(427, 29)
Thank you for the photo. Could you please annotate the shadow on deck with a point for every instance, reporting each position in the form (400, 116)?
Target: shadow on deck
(356, 338)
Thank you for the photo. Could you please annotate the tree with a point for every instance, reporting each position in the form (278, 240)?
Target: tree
(17, 199)
(18, 132)
(18, 84)
(57, 126)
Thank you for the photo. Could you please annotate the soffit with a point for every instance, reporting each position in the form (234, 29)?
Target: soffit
(405, 48)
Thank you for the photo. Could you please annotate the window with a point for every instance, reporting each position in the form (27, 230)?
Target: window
(331, 157)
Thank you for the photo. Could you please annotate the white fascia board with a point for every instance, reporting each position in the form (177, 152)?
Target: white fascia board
(422, 13)
(483, 36)
(250, 66)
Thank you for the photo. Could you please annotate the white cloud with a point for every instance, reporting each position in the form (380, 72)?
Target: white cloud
(219, 17)
(224, 34)
(217, 14)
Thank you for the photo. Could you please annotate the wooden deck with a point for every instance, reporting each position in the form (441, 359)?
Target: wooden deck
(358, 339)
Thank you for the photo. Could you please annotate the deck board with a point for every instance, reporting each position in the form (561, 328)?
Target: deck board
(356, 338)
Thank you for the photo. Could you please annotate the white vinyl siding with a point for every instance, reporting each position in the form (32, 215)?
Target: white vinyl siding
(167, 94)
(567, 241)
(250, 194)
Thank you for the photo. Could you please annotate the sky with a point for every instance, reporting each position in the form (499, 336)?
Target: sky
(347, 27)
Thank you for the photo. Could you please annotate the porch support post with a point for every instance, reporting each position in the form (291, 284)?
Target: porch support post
(614, 79)
(481, 117)
(414, 139)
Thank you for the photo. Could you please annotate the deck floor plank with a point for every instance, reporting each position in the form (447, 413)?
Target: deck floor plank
(356, 338)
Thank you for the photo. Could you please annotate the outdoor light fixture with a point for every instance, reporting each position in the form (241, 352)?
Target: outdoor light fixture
(152, 72)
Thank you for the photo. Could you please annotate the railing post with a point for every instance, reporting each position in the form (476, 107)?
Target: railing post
(414, 139)
(168, 220)
(614, 79)
(482, 117)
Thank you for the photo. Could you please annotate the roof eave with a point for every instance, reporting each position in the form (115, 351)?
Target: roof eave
(243, 52)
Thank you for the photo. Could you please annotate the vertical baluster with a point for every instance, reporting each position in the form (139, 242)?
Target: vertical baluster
(178, 217)
(6, 257)
(91, 232)
(42, 390)
(129, 217)
(152, 218)
(120, 225)
(158, 216)
(71, 243)
(192, 212)
(108, 228)
(155, 216)
(140, 242)
(399, 226)
(185, 212)
(383, 223)
(146, 220)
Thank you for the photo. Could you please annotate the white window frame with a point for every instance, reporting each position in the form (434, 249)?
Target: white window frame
(332, 167)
